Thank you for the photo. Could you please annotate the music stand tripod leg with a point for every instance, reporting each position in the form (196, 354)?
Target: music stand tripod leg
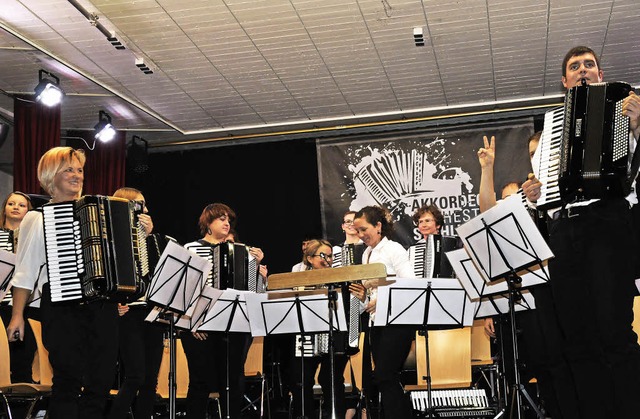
(518, 389)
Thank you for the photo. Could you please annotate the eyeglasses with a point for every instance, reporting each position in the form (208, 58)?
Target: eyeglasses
(347, 222)
(323, 256)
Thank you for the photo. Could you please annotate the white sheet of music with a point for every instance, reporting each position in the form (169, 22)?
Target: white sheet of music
(7, 267)
(269, 314)
(502, 238)
(499, 304)
(228, 313)
(449, 304)
(178, 279)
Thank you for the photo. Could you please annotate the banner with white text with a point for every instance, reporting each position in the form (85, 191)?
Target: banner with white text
(405, 171)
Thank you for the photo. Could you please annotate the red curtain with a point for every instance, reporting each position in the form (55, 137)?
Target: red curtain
(104, 171)
(36, 129)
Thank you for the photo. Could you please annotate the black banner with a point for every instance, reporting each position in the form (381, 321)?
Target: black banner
(405, 171)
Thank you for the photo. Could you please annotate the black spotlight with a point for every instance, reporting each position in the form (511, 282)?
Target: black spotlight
(137, 155)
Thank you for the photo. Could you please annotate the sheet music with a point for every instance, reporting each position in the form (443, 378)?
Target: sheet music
(499, 304)
(7, 268)
(448, 303)
(178, 279)
(270, 314)
(228, 313)
(518, 242)
(476, 283)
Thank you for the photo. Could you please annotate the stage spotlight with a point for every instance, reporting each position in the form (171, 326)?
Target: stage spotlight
(104, 131)
(137, 156)
(48, 92)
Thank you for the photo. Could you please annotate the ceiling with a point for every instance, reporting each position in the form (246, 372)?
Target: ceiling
(253, 69)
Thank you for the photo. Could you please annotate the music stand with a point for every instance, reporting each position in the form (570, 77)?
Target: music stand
(7, 268)
(504, 242)
(369, 272)
(296, 312)
(423, 302)
(177, 282)
(226, 313)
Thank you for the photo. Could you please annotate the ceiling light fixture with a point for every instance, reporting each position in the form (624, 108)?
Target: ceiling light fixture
(418, 36)
(143, 67)
(93, 20)
(104, 131)
(48, 92)
(137, 155)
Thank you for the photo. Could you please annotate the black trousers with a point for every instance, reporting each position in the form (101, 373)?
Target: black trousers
(82, 340)
(141, 348)
(390, 346)
(592, 281)
(208, 361)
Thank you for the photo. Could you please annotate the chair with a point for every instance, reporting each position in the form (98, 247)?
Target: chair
(449, 358)
(42, 371)
(19, 392)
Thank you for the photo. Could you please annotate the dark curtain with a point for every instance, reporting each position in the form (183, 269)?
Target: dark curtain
(36, 130)
(104, 171)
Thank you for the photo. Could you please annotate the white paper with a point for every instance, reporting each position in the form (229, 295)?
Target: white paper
(269, 314)
(178, 279)
(448, 303)
(228, 313)
(504, 238)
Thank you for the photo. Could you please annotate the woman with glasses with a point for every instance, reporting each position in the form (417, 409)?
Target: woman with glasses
(318, 255)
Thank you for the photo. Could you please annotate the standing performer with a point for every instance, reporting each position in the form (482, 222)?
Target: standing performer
(82, 339)
(206, 353)
(141, 342)
(12, 213)
(390, 345)
(592, 277)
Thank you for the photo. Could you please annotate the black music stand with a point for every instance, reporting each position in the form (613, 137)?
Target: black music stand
(504, 242)
(299, 312)
(227, 313)
(176, 284)
(440, 302)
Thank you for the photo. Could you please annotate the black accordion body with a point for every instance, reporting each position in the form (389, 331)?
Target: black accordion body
(428, 258)
(95, 249)
(585, 146)
(348, 254)
(233, 266)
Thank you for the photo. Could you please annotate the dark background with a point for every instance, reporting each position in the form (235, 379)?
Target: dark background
(272, 186)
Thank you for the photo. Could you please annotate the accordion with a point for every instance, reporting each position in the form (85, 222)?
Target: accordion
(584, 148)
(7, 240)
(95, 249)
(348, 254)
(233, 266)
(428, 258)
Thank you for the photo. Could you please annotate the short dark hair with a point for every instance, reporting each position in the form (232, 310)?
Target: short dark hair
(430, 208)
(213, 211)
(579, 50)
